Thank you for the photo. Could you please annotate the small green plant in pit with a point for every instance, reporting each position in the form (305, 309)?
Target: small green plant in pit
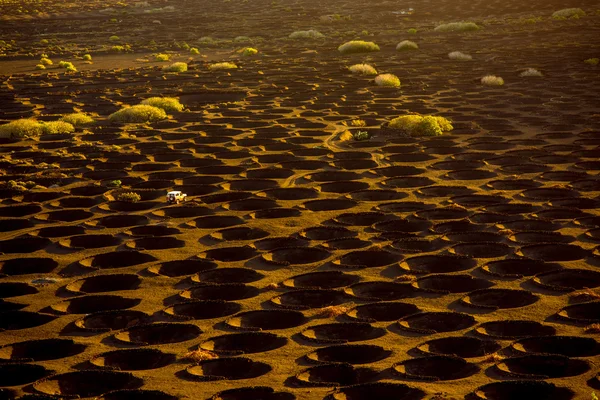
(87, 57)
(592, 61)
(21, 186)
(57, 128)
(411, 31)
(457, 27)
(222, 65)
(357, 46)
(419, 125)
(194, 51)
(594, 397)
(140, 113)
(169, 104)
(309, 34)
(389, 80)
(46, 61)
(161, 57)
(492, 80)
(458, 56)
(21, 128)
(78, 120)
(406, 45)
(361, 135)
(176, 67)
(115, 183)
(568, 13)
(40, 66)
(531, 72)
(362, 69)
(114, 38)
(249, 51)
(44, 42)
(129, 197)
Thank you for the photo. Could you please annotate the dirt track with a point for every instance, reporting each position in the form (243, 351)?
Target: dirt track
(452, 261)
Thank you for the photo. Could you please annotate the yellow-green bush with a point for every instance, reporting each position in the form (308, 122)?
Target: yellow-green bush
(129, 197)
(57, 128)
(362, 69)
(21, 128)
(140, 113)
(419, 125)
(176, 67)
(406, 45)
(161, 57)
(249, 51)
(309, 34)
(457, 27)
(222, 65)
(389, 80)
(169, 104)
(568, 13)
(78, 119)
(357, 46)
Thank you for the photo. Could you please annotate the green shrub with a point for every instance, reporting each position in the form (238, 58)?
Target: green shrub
(362, 69)
(21, 128)
(114, 38)
(222, 65)
(406, 45)
(194, 51)
(568, 13)
(168, 104)
(458, 56)
(176, 67)
(161, 57)
(592, 61)
(67, 65)
(46, 61)
(357, 46)
(249, 51)
(138, 114)
(309, 34)
(389, 80)
(87, 57)
(530, 72)
(361, 135)
(411, 31)
(457, 27)
(115, 183)
(419, 125)
(130, 197)
(57, 128)
(40, 66)
(492, 80)
(78, 119)
(44, 42)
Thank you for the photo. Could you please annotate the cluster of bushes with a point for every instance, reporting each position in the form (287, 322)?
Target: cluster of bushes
(129, 197)
(150, 110)
(30, 127)
(420, 125)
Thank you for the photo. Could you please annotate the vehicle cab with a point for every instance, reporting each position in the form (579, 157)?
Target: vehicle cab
(176, 197)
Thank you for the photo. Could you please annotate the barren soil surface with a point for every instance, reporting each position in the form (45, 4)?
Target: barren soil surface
(304, 264)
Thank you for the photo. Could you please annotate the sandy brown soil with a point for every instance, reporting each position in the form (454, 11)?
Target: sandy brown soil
(308, 266)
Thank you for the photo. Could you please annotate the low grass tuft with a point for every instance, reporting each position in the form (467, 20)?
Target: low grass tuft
(194, 51)
(168, 104)
(568, 13)
(387, 80)
(459, 56)
(420, 125)
(531, 72)
(357, 46)
(176, 67)
(492, 80)
(140, 113)
(67, 65)
(200, 355)
(592, 61)
(40, 66)
(309, 34)
(411, 31)
(457, 27)
(46, 61)
(78, 119)
(222, 65)
(57, 128)
(406, 45)
(362, 69)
